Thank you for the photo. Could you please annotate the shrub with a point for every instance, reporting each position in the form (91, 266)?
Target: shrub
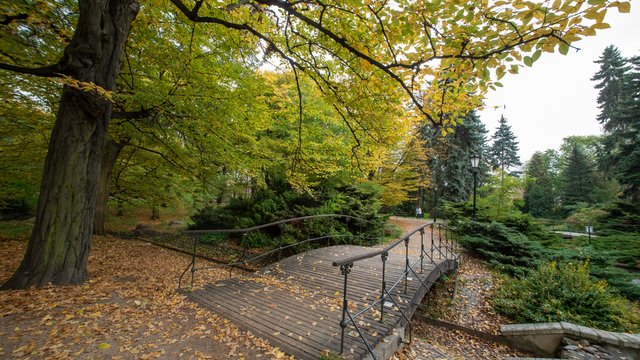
(281, 202)
(566, 292)
(505, 249)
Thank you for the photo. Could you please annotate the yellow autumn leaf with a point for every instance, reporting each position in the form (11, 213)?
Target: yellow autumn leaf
(624, 7)
(104, 346)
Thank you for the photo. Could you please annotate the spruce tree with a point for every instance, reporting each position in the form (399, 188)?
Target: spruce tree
(622, 144)
(619, 103)
(452, 176)
(578, 178)
(610, 80)
(503, 153)
(539, 193)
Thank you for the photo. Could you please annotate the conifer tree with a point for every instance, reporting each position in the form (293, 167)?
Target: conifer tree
(503, 153)
(452, 176)
(539, 192)
(621, 143)
(578, 178)
(610, 80)
(469, 138)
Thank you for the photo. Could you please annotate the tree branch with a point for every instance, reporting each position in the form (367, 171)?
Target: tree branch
(50, 71)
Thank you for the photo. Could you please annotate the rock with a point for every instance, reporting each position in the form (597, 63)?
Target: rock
(590, 349)
(599, 348)
(583, 343)
(567, 341)
(176, 222)
(571, 348)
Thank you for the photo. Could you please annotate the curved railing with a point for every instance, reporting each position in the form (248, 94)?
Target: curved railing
(444, 249)
(279, 249)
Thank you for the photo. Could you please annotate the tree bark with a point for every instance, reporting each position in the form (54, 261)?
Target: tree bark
(112, 150)
(59, 246)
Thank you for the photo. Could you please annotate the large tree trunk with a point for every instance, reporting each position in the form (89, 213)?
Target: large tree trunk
(112, 150)
(59, 246)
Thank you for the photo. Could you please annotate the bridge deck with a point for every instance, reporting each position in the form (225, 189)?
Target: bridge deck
(296, 304)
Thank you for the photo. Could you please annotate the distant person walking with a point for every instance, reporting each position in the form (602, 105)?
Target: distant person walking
(418, 213)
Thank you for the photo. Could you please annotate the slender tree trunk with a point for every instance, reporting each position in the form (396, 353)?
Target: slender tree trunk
(112, 150)
(59, 246)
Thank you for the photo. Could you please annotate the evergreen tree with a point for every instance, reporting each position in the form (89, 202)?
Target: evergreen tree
(539, 193)
(622, 144)
(578, 178)
(610, 80)
(469, 138)
(503, 153)
(452, 176)
(619, 103)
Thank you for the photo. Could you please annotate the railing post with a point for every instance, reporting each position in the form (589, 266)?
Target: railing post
(193, 259)
(406, 264)
(345, 270)
(421, 250)
(384, 257)
(280, 242)
(446, 242)
(432, 245)
(244, 245)
(440, 240)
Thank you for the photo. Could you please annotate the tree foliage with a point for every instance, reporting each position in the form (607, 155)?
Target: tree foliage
(503, 152)
(621, 120)
(539, 191)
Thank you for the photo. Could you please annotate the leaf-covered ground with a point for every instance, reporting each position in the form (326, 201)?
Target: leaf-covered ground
(471, 308)
(463, 299)
(129, 309)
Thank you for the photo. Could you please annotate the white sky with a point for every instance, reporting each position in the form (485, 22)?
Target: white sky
(556, 98)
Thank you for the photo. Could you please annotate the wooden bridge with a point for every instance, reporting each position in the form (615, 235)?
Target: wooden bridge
(344, 299)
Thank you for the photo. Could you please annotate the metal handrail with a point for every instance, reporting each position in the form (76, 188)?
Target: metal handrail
(386, 249)
(245, 231)
(346, 265)
(257, 227)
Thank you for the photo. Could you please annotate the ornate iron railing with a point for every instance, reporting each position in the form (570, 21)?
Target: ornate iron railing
(245, 259)
(445, 248)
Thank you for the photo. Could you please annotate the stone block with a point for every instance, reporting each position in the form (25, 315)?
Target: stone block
(607, 337)
(629, 340)
(570, 329)
(548, 328)
(588, 333)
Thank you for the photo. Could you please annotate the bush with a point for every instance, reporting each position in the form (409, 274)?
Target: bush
(505, 249)
(566, 292)
(281, 202)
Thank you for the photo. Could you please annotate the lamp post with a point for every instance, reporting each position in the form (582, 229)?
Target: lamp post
(475, 163)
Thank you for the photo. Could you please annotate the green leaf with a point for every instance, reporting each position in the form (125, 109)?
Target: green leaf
(564, 49)
(536, 55)
(528, 60)
(104, 346)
